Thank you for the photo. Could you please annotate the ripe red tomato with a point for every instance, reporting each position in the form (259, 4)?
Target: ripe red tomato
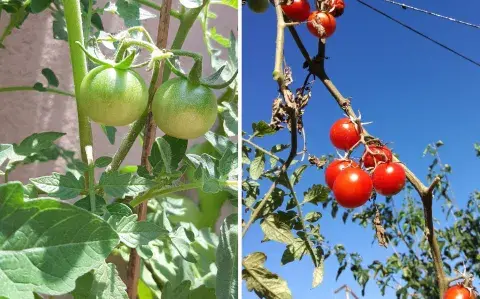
(458, 292)
(381, 154)
(337, 8)
(321, 24)
(344, 134)
(352, 188)
(298, 11)
(389, 178)
(335, 168)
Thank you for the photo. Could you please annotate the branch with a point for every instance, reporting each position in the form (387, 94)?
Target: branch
(133, 272)
(316, 66)
(266, 152)
(31, 88)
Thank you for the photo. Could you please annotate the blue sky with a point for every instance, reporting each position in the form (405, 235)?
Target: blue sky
(414, 91)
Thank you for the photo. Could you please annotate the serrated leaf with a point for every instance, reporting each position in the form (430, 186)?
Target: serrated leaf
(134, 233)
(103, 162)
(59, 26)
(213, 34)
(318, 273)
(313, 216)
(265, 283)
(167, 152)
(295, 251)
(316, 194)
(120, 185)
(62, 186)
(130, 12)
(84, 203)
(228, 164)
(110, 133)
(182, 291)
(230, 119)
(261, 129)
(220, 143)
(102, 283)
(231, 3)
(37, 6)
(45, 245)
(276, 230)
(257, 165)
(37, 142)
(50, 76)
(181, 243)
(227, 259)
(297, 174)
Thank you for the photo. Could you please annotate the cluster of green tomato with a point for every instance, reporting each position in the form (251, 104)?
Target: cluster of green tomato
(117, 97)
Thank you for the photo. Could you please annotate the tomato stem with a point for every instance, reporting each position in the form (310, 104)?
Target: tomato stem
(73, 19)
(31, 88)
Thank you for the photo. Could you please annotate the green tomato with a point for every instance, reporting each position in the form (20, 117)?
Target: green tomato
(113, 97)
(258, 6)
(184, 110)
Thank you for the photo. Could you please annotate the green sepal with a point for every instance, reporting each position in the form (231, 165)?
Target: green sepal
(221, 85)
(126, 63)
(93, 58)
(195, 75)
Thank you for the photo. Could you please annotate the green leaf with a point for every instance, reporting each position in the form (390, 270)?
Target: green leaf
(50, 76)
(297, 174)
(59, 26)
(45, 245)
(228, 164)
(313, 216)
(104, 282)
(316, 194)
(144, 291)
(277, 230)
(213, 34)
(181, 242)
(191, 3)
(37, 6)
(167, 152)
(36, 142)
(220, 143)
(227, 259)
(110, 133)
(318, 273)
(265, 283)
(231, 3)
(261, 129)
(257, 166)
(230, 119)
(133, 233)
(295, 251)
(182, 291)
(97, 21)
(130, 12)
(103, 162)
(120, 185)
(62, 186)
(84, 203)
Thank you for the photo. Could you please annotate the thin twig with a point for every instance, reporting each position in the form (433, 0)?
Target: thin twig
(133, 272)
(261, 149)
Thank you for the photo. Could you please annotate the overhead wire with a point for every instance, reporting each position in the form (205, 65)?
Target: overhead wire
(420, 33)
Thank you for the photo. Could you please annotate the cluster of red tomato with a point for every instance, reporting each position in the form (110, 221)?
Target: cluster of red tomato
(353, 185)
(321, 23)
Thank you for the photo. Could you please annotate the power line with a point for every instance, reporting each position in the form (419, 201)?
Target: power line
(405, 6)
(420, 33)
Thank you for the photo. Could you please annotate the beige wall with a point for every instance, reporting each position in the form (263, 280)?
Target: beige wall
(32, 48)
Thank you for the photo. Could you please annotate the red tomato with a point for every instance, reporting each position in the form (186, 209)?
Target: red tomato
(458, 292)
(352, 188)
(321, 24)
(298, 11)
(389, 178)
(344, 134)
(337, 8)
(381, 154)
(335, 168)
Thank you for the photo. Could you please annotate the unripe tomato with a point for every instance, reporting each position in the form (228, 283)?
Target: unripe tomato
(380, 153)
(298, 11)
(352, 188)
(458, 292)
(389, 178)
(113, 97)
(258, 6)
(334, 169)
(337, 8)
(344, 134)
(321, 24)
(183, 109)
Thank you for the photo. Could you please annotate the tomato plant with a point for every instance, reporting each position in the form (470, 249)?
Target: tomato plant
(298, 10)
(376, 154)
(321, 24)
(344, 134)
(113, 97)
(334, 169)
(352, 188)
(163, 227)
